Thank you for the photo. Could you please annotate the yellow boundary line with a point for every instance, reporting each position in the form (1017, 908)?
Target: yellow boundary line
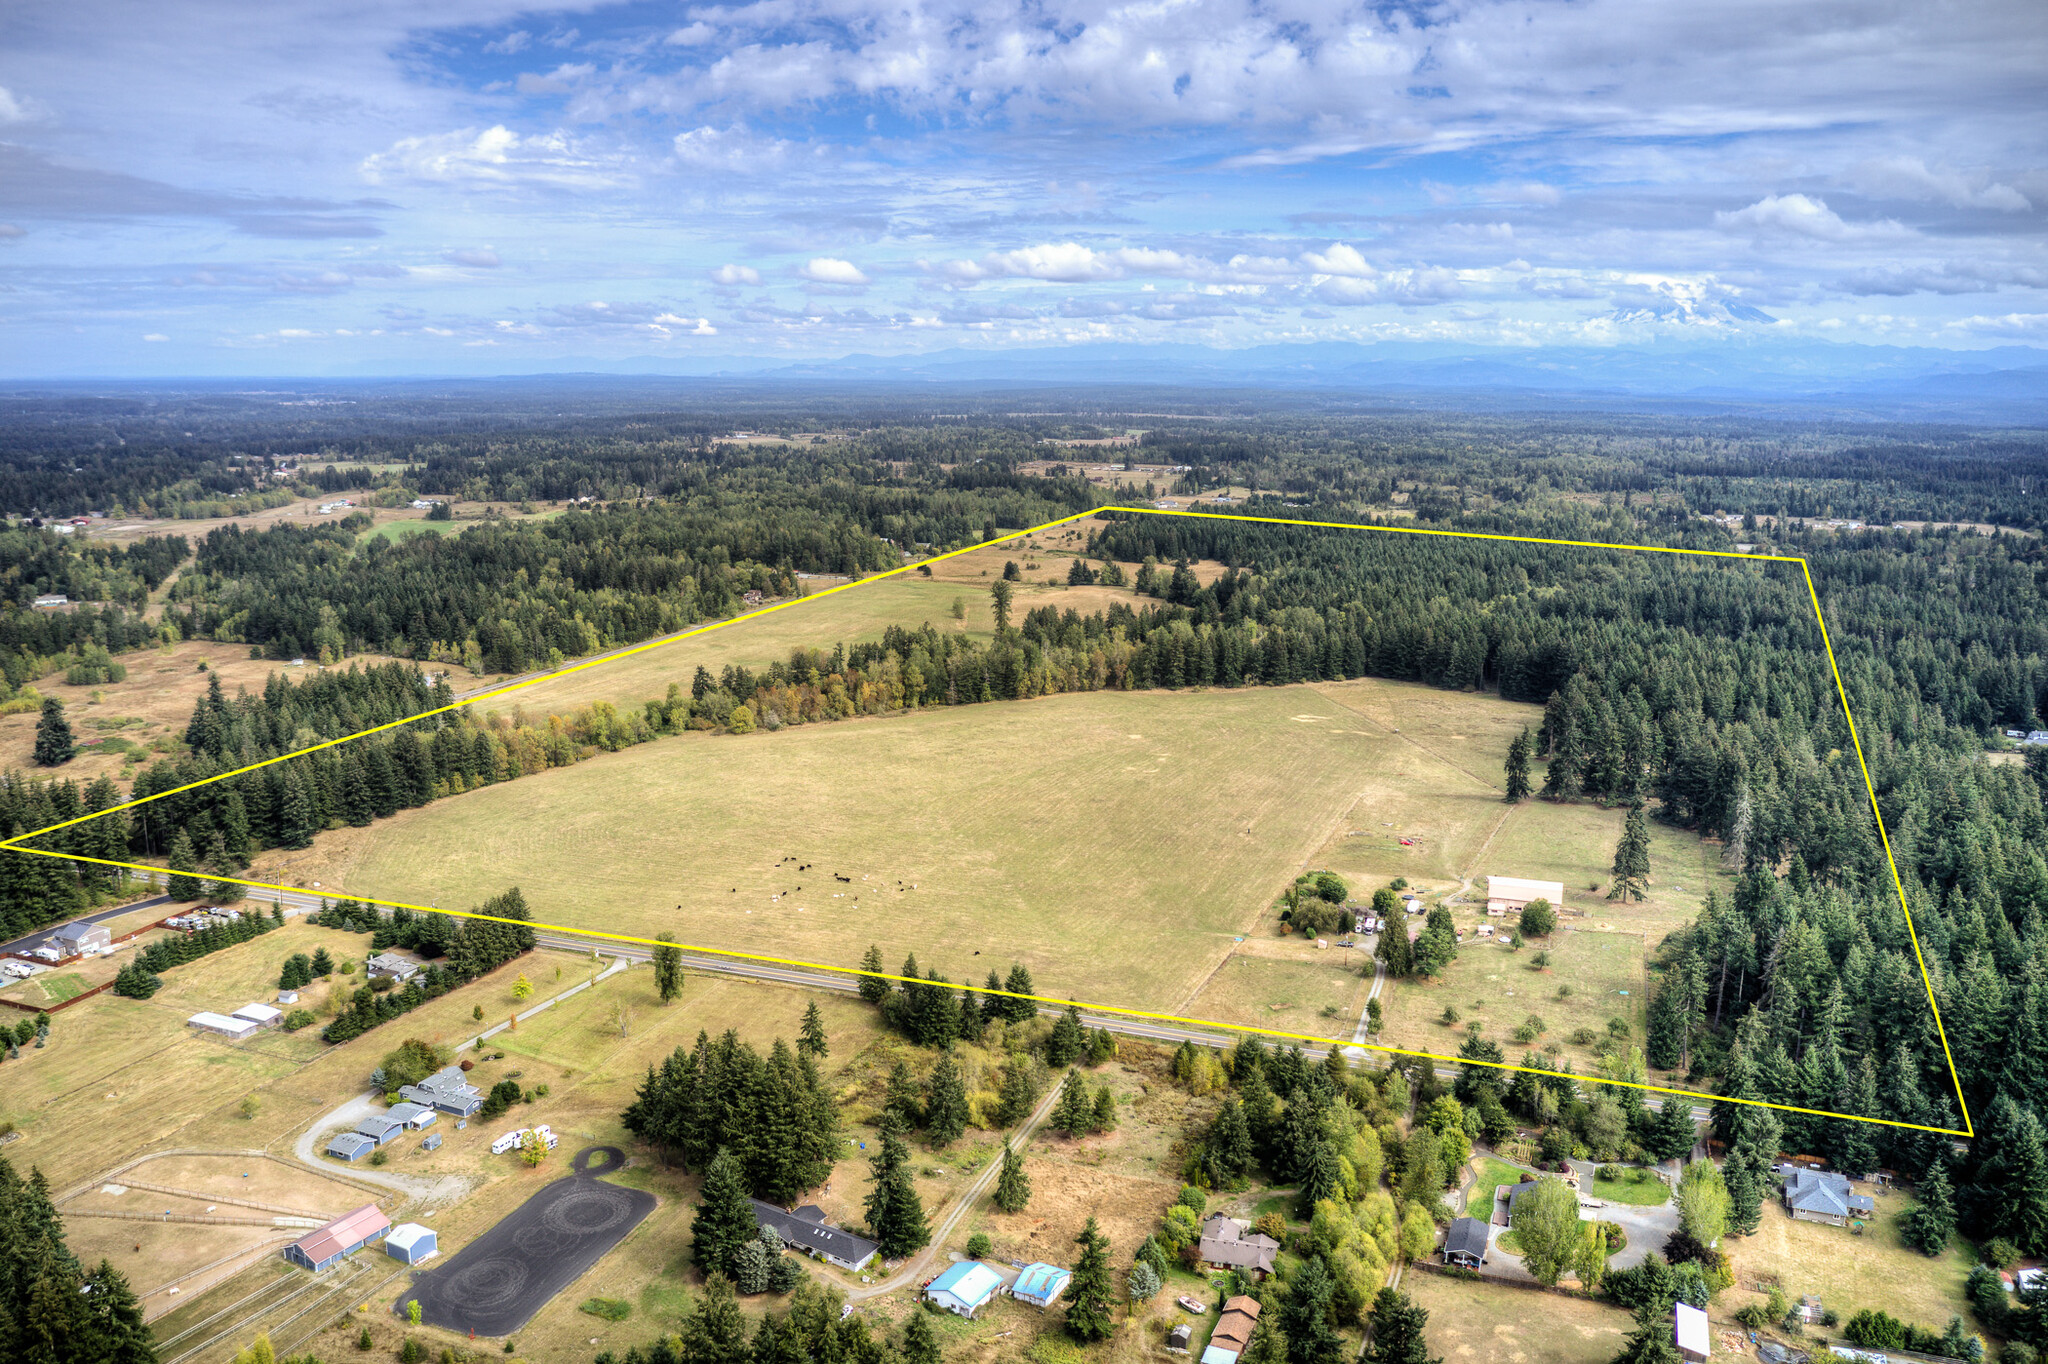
(1967, 1130)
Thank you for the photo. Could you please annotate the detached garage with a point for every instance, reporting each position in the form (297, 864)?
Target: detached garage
(411, 1243)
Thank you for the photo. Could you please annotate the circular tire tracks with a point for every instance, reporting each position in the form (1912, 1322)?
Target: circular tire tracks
(497, 1282)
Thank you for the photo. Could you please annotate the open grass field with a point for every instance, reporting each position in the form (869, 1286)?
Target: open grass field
(1473, 1322)
(1494, 985)
(1307, 991)
(1006, 821)
(121, 724)
(1877, 1270)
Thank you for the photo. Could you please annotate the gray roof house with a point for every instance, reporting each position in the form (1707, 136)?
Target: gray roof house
(1228, 1243)
(1465, 1243)
(411, 1114)
(808, 1231)
(80, 937)
(1822, 1196)
(392, 965)
(446, 1091)
(380, 1127)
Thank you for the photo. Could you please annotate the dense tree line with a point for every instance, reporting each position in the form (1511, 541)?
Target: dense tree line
(54, 1310)
(772, 1114)
(459, 950)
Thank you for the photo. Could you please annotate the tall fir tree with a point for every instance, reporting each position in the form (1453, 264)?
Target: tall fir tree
(1019, 1010)
(54, 742)
(1013, 1185)
(1395, 1327)
(1091, 1296)
(945, 1104)
(873, 988)
(810, 1039)
(182, 885)
(1305, 1316)
(668, 969)
(1632, 857)
(895, 1213)
(724, 1222)
(1518, 768)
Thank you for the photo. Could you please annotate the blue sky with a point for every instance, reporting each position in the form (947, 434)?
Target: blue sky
(196, 187)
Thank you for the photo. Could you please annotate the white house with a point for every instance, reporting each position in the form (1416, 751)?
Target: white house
(965, 1288)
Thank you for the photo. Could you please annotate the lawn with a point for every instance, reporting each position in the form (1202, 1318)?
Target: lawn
(1320, 993)
(1473, 1322)
(1647, 1192)
(1848, 1273)
(972, 836)
(1492, 1174)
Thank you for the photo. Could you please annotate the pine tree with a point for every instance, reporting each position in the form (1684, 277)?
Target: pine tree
(1394, 951)
(1070, 1116)
(1068, 1039)
(945, 1105)
(1320, 1177)
(1228, 1148)
(1013, 1186)
(297, 820)
(993, 1005)
(1142, 1283)
(1305, 1316)
(1019, 983)
(1090, 1294)
(1632, 857)
(1018, 1094)
(182, 885)
(1518, 767)
(1928, 1227)
(873, 988)
(724, 1222)
(1650, 1342)
(1103, 1116)
(901, 1100)
(811, 1034)
(668, 970)
(894, 1211)
(1396, 1326)
(920, 1342)
(55, 745)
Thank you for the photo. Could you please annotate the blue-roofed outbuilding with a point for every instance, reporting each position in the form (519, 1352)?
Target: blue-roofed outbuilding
(1041, 1284)
(965, 1288)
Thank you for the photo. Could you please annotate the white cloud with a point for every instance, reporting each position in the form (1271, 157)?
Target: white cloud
(735, 275)
(1340, 260)
(690, 35)
(734, 149)
(475, 257)
(830, 270)
(1798, 215)
(15, 108)
(514, 42)
(694, 326)
(155, 336)
(1908, 177)
(494, 156)
(10, 231)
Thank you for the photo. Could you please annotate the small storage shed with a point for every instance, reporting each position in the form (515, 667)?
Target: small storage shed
(262, 1015)
(965, 1288)
(411, 1243)
(432, 1143)
(1041, 1284)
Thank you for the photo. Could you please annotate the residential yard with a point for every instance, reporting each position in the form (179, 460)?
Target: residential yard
(1492, 1174)
(1646, 1192)
(1475, 1322)
(1877, 1270)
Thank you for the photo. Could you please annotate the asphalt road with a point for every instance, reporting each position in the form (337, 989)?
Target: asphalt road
(1121, 1024)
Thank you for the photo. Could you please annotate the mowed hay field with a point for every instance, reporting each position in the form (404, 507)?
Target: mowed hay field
(1473, 1322)
(1114, 843)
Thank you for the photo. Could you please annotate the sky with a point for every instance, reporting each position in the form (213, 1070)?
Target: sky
(313, 186)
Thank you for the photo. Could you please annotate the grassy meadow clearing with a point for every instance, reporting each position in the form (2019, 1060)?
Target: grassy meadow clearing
(1114, 843)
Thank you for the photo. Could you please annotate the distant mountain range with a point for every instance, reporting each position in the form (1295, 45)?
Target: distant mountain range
(2006, 384)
